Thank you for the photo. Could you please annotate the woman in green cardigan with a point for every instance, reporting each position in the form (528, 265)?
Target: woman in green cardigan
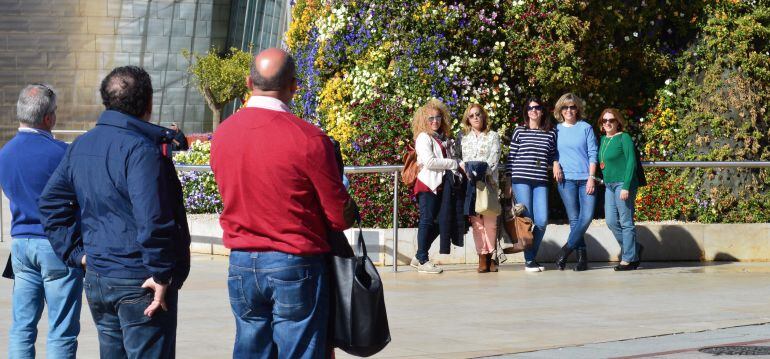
(617, 159)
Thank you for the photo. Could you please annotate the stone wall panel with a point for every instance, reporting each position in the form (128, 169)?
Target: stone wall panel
(73, 44)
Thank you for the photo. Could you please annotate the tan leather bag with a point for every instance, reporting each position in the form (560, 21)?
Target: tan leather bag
(520, 229)
(411, 168)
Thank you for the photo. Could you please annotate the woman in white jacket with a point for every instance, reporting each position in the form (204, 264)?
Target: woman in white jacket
(430, 128)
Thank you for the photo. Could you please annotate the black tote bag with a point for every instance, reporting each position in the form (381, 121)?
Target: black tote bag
(358, 315)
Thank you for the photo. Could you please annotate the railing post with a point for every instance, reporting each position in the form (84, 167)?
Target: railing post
(395, 221)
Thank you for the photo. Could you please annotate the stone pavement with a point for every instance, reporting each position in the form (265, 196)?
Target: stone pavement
(463, 314)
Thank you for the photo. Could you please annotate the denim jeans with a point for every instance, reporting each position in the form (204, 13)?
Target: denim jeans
(41, 277)
(117, 307)
(580, 210)
(535, 197)
(619, 215)
(280, 303)
(427, 228)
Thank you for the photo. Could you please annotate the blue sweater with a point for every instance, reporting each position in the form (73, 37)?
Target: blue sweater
(577, 149)
(26, 163)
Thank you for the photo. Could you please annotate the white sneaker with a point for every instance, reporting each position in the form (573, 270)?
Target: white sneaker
(414, 263)
(429, 267)
(532, 267)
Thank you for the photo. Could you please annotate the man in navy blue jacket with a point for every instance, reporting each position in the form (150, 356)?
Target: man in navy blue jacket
(133, 237)
(40, 277)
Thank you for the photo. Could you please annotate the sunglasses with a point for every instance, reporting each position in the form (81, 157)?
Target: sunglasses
(570, 107)
(535, 108)
(435, 118)
(609, 120)
(474, 114)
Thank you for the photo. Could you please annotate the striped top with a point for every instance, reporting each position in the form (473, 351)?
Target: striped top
(532, 152)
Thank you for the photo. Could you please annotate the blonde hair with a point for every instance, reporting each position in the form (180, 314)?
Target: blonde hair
(566, 99)
(618, 117)
(420, 122)
(484, 118)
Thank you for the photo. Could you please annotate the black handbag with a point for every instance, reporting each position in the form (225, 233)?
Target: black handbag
(358, 316)
(8, 271)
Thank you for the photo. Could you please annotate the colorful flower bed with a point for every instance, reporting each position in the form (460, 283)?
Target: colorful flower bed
(200, 190)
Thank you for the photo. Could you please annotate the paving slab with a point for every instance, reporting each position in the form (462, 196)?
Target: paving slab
(463, 314)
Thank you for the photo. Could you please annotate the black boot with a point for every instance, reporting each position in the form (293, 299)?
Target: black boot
(561, 260)
(582, 260)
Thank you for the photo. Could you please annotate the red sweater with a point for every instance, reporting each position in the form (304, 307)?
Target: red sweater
(279, 182)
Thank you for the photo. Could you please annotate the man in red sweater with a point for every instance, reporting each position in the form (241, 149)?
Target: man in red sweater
(282, 194)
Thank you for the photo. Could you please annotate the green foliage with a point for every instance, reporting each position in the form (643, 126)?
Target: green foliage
(220, 78)
(716, 110)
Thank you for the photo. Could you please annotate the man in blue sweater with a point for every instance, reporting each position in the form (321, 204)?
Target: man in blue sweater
(134, 238)
(26, 164)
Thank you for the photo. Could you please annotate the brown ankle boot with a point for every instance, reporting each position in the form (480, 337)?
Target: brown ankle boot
(492, 263)
(483, 263)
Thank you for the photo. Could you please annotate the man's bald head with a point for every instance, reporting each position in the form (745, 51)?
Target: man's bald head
(272, 70)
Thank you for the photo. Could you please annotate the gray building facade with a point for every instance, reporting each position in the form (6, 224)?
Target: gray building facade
(73, 44)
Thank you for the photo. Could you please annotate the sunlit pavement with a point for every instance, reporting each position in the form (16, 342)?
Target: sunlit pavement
(463, 314)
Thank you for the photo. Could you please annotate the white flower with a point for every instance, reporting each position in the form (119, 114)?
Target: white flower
(636, 34)
(668, 82)
(627, 38)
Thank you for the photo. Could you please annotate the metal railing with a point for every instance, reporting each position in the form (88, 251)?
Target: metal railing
(69, 132)
(396, 170)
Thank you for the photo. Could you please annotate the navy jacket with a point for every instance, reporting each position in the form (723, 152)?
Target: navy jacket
(129, 199)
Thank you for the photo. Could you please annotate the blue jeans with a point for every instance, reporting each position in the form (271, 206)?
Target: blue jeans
(427, 228)
(280, 303)
(535, 197)
(41, 277)
(117, 307)
(619, 215)
(580, 210)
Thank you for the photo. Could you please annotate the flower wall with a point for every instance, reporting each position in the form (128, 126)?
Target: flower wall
(365, 66)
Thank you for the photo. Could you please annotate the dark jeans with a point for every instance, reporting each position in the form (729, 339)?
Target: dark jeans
(280, 303)
(427, 228)
(117, 306)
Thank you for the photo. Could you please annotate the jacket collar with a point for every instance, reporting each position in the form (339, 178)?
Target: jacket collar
(157, 134)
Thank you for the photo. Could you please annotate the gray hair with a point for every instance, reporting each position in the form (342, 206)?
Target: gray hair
(35, 102)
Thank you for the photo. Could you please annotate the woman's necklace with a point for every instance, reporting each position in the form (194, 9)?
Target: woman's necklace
(604, 150)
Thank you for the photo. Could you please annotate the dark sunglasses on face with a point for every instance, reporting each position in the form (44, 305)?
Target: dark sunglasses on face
(570, 107)
(537, 108)
(476, 114)
(608, 120)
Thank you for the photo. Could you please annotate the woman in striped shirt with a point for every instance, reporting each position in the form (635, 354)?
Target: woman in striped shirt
(533, 150)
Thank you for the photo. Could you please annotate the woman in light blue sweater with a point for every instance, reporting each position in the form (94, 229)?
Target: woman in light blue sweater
(577, 150)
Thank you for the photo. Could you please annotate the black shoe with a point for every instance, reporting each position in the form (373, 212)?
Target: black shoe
(582, 260)
(625, 267)
(561, 260)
